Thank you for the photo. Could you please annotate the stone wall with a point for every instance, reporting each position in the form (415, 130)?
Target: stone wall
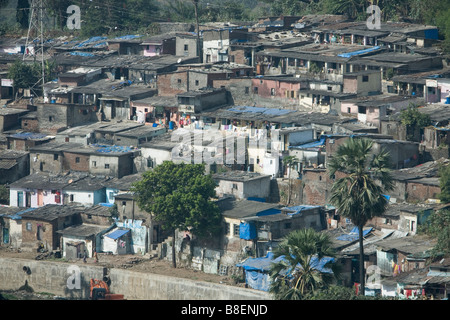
(54, 277)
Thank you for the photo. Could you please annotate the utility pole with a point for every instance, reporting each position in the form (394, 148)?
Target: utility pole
(199, 52)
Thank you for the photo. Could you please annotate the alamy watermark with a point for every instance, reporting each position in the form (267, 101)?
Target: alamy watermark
(374, 21)
(223, 147)
(74, 20)
(74, 279)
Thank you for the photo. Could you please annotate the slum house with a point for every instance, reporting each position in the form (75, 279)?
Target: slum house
(88, 191)
(11, 226)
(436, 137)
(243, 52)
(274, 23)
(30, 122)
(49, 157)
(40, 226)
(159, 44)
(371, 109)
(23, 141)
(194, 102)
(437, 90)
(161, 149)
(115, 105)
(121, 185)
(10, 118)
(239, 235)
(117, 241)
(415, 84)
(240, 90)
(310, 21)
(55, 117)
(186, 45)
(393, 254)
(82, 134)
(279, 89)
(39, 189)
(157, 111)
(95, 222)
(419, 183)
(199, 78)
(105, 134)
(330, 61)
(127, 45)
(242, 184)
(403, 217)
(14, 165)
(80, 240)
(111, 161)
(171, 83)
(216, 43)
(137, 136)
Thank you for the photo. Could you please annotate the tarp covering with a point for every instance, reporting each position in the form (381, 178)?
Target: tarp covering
(247, 231)
(257, 269)
(314, 144)
(354, 234)
(298, 209)
(355, 53)
(117, 233)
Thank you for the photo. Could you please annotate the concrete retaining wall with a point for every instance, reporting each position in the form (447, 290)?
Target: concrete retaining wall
(57, 278)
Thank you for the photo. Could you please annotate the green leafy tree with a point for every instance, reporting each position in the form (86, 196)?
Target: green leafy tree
(358, 195)
(4, 194)
(23, 13)
(23, 74)
(414, 120)
(444, 183)
(438, 226)
(180, 197)
(296, 274)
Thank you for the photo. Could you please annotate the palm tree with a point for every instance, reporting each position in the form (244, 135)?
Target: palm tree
(303, 263)
(359, 194)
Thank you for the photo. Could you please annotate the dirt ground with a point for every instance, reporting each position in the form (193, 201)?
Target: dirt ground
(136, 263)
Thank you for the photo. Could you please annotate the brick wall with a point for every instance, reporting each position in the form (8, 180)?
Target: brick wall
(71, 162)
(421, 192)
(170, 84)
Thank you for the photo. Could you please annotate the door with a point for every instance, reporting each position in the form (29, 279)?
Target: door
(5, 235)
(20, 199)
(40, 198)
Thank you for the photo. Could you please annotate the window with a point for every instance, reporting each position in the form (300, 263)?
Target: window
(365, 78)
(89, 216)
(235, 186)
(106, 165)
(94, 163)
(362, 110)
(236, 230)
(124, 203)
(77, 160)
(55, 157)
(29, 226)
(71, 198)
(272, 91)
(247, 90)
(255, 90)
(287, 225)
(179, 81)
(196, 82)
(349, 110)
(186, 47)
(227, 228)
(51, 118)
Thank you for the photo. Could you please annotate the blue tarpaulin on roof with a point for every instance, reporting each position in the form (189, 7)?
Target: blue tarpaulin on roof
(118, 233)
(298, 209)
(257, 269)
(314, 144)
(354, 234)
(356, 53)
(247, 231)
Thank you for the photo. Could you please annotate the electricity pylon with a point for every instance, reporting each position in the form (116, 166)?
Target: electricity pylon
(34, 46)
